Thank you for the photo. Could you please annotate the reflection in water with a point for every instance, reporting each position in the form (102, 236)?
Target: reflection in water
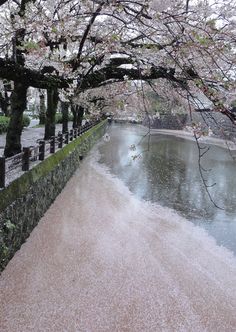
(168, 174)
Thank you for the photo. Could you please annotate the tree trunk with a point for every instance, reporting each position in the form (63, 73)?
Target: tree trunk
(65, 116)
(80, 116)
(74, 112)
(42, 108)
(78, 113)
(18, 105)
(18, 101)
(52, 101)
(5, 102)
(8, 103)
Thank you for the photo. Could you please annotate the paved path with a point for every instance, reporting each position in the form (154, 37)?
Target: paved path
(102, 261)
(29, 136)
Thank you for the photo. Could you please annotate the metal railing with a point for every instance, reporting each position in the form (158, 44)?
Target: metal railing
(31, 154)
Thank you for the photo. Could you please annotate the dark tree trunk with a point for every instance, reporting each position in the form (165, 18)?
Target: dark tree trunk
(80, 115)
(18, 101)
(42, 108)
(65, 116)
(74, 112)
(5, 101)
(18, 105)
(52, 101)
(18, 55)
(3, 104)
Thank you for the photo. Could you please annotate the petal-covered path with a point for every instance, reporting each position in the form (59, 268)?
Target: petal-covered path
(102, 261)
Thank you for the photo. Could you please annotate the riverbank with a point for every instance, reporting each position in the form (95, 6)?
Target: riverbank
(230, 145)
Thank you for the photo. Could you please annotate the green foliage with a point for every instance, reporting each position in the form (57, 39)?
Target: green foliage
(54, 29)
(26, 120)
(4, 122)
(115, 37)
(212, 24)
(160, 106)
(29, 46)
(120, 104)
(70, 117)
(204, 41)
(9, 226)
(58, 118)
(233, 103)
(4, 250)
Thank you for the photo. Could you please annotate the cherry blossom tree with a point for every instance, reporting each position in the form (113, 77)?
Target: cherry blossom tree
(68, 47)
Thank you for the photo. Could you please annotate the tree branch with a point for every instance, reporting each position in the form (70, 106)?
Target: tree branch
(100, 76)
(14, 72)
(2, 2)
(85, 35)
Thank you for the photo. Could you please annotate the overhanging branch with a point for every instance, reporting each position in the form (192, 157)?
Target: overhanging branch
(98, 77)
(13, 72)
(2, 2)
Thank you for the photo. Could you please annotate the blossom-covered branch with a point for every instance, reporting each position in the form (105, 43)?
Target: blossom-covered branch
(12, 71)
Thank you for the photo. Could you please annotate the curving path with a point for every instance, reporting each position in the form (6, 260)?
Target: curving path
(102, 261)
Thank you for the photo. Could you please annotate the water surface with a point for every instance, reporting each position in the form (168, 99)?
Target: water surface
(165, 169)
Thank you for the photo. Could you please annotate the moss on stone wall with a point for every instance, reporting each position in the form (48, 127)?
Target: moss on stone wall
(18, 187)
(26, 199)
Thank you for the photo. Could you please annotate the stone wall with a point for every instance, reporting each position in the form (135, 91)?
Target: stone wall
(25, 200)
(220, 125)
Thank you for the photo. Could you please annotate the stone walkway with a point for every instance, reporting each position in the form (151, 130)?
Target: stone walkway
(102, 261)
(29, 136)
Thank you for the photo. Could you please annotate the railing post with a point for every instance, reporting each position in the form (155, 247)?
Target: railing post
(41, 150)
(60, 140)
(52, 144)
(71, 134)
(66, 137)
(33, 153)
(25, 159)
(2, 172)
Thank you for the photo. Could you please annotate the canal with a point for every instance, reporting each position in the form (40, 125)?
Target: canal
(164, 169)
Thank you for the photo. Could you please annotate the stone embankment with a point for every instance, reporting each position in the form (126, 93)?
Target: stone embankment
(27, 198)
(218, 125)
